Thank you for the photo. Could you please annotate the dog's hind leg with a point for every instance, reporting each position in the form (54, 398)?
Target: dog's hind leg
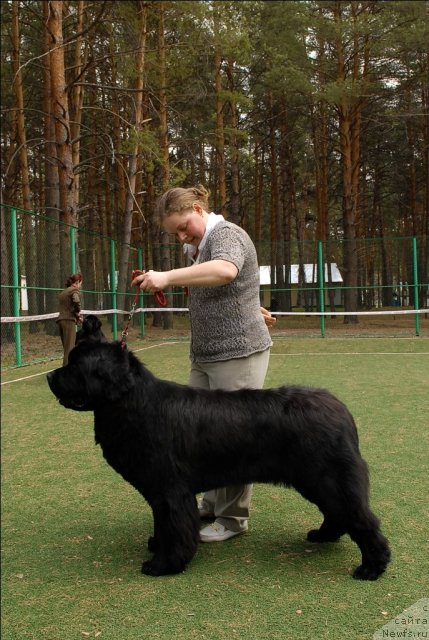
(324, 494)
(373, 545)
(350, 513)
(176, 534)
(345, 507)
(363, 528)
(330, 531)
(362, 525)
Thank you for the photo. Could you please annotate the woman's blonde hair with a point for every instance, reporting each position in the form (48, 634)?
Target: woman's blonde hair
(180, 199)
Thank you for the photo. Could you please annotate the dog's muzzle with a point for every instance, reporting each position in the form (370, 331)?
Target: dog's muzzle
(75, 403)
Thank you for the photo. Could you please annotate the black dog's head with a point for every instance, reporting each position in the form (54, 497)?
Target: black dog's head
(97, 374)
(91, 330)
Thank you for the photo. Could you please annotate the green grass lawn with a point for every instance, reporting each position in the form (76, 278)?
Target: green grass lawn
(74, 533)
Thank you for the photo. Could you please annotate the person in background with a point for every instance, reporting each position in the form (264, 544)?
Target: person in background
(69, 313)
(230, 341)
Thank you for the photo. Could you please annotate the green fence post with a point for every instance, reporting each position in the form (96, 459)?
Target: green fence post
(321, 287)
(72, 250)
(416, 285)
(113, 288)
(141, 298)
(16, 286)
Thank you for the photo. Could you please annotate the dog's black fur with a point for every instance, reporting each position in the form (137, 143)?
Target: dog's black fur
(171, 442)
(90, 330)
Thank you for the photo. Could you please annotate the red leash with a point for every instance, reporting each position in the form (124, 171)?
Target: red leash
(160, 297)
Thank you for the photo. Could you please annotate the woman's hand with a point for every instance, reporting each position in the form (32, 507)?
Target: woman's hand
(269, 319)
(151, 281)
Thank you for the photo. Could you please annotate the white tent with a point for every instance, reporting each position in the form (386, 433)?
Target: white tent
(310, 272)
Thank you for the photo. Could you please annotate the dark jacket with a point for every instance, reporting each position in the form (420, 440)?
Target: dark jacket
(69, 304)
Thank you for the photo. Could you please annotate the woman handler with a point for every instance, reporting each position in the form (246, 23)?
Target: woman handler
(69, 313)
(230, 341)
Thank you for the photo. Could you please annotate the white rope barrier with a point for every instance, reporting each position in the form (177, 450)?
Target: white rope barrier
(85, 312)
(103, 312)
(349, 313)
(47, 316)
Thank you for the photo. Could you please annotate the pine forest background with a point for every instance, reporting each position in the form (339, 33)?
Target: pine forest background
(307, 121)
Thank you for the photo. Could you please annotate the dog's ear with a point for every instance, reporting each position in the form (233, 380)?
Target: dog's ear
(110, 376)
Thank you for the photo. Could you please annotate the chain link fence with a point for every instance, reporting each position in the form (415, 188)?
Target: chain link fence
(383, 282)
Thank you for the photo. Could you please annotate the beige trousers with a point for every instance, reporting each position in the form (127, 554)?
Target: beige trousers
(230, 505)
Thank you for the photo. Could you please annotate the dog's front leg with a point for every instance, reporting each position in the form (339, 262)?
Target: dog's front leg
(176, 534)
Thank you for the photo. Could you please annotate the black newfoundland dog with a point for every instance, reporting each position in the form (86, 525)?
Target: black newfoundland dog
(171, 442)
(91, 330)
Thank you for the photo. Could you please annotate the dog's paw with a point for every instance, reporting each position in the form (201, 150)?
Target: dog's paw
(156, 567)
(364, 572)
(149, 568)
(316, 535)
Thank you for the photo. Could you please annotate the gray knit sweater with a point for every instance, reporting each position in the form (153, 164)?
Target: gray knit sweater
(226, 321)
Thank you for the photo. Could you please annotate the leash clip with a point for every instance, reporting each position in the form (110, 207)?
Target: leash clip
(124, 334)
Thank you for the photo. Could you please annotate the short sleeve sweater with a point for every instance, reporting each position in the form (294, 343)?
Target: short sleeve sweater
(226, 321)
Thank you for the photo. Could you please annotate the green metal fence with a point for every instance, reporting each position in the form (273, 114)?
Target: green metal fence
(33, 274)
(38, 253)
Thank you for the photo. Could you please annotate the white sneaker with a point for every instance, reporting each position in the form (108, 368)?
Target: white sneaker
(216, 532)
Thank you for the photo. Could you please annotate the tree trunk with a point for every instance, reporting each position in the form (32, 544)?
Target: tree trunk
(233, 145)
(29, 249)
(119, 188)
(424, 252)
(258, 178)
(284, 299)
(320, 134)
(51, 260)
(60, 110)
(76, 96)
(349, 114)
(274, 197)
(295, 215)
(220, 191)
(124, 271)
(90, 218)
(320, 128)
(7, 332)
(167, 318)
(350, 263)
